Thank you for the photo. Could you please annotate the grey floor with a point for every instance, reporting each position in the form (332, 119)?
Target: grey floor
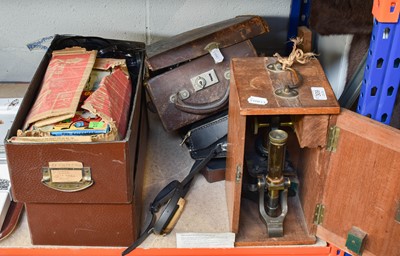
(205, 209)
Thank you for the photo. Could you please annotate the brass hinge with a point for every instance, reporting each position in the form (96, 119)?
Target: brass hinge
(319, 214)
(238, 173)
(333, 137)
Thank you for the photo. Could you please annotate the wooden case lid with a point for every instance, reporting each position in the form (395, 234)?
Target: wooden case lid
(361, 190)
(192, 44)
(253, 79)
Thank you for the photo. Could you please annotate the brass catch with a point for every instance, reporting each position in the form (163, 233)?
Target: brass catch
(356, 240)
(213, 45)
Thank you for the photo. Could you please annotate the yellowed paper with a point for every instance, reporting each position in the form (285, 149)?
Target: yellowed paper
(66, 175)
(62, 86)
(51, 139)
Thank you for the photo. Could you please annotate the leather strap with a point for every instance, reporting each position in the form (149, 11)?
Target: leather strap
(202, 109)
(170, 195)
(142, 236)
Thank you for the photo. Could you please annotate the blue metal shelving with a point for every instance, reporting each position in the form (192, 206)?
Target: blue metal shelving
(382, 72)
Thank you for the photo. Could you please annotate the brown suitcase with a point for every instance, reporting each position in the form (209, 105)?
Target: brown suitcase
(104, 213)
(195, 86)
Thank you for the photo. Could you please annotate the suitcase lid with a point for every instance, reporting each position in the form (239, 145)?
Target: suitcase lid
(193, 43)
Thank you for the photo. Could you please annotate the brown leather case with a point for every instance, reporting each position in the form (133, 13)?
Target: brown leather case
(101, 214)
(82, 224)
(194, 85)
(92, 224)
(214, 170)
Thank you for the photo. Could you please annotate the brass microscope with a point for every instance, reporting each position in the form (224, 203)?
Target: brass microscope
(272, 170)
(269, 172)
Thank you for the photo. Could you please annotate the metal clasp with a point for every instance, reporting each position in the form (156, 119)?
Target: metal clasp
(183, 95)
(204, 80)
(275, 67)
(185, 138)
(216, 54)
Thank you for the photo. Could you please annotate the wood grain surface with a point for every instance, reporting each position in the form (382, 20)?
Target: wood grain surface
(362, 187)
(235, 157)
(253, 79)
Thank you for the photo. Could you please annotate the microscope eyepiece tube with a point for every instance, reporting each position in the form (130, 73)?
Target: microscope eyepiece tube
(276, 154)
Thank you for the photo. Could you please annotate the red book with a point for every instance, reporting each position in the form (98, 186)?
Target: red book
(112, 100)
(62, 86)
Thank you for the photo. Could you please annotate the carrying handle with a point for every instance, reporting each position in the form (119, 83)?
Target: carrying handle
(202, 109)
(67, 179)
(289, 90)
(277, 68)
(298, 79)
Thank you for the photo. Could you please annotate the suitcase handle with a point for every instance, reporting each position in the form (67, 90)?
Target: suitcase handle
(67, 179)
(202, 109)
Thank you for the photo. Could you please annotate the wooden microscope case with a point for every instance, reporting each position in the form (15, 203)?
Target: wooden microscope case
(348, 165)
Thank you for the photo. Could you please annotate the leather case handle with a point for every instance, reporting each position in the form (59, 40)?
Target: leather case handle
(298, 79)
(67, 179)
(202, 109)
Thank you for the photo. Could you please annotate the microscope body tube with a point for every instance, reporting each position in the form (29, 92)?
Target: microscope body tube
(276, 162)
